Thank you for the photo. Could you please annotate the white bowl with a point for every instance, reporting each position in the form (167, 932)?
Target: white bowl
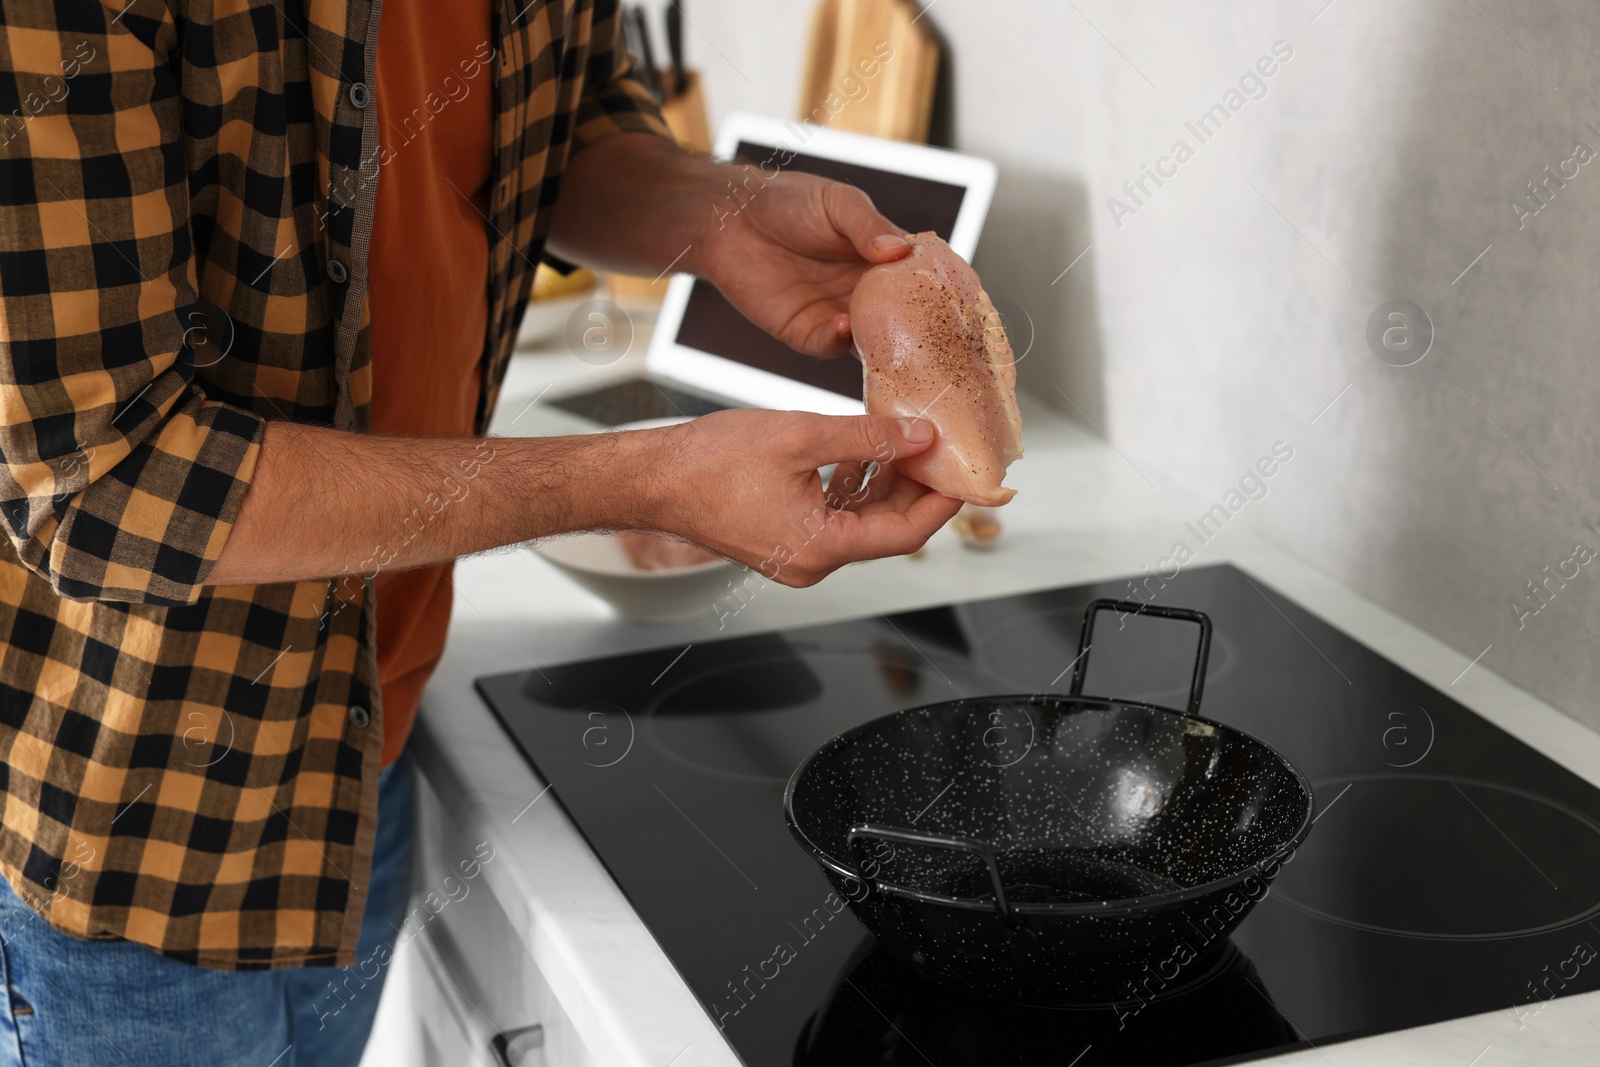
(598, 563)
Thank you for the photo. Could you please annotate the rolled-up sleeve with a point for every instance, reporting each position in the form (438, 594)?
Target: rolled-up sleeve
(119, 479)
(614, 100)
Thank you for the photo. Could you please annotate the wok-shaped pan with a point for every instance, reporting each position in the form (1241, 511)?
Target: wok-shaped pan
(1052, 848)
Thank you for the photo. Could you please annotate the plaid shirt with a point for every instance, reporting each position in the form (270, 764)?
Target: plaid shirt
(186, 195)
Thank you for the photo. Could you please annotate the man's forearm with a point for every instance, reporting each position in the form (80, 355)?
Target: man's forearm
(786, 248)
(324, 503)
(634, 202)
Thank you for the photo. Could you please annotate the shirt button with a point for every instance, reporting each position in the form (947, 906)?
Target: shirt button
(358, 94)
(337, 272)
(360, 717)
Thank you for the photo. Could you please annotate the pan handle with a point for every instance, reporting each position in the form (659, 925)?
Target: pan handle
(895, 835)
(1136, 607)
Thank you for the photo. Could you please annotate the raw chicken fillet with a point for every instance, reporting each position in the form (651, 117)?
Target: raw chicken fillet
(932, 346)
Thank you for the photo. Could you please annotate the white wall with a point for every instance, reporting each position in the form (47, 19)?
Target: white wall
(1232, 307)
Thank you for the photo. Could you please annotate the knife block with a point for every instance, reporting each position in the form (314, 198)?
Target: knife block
(685, 112)
(872, 67)
(685, 115)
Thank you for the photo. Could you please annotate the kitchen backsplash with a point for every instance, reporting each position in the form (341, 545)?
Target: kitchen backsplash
(1364, 229)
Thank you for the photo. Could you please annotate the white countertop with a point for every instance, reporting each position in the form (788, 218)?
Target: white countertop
(1082, 514)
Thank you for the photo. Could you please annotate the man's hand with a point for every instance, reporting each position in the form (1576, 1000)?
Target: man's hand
(745, 485)
(789, 251)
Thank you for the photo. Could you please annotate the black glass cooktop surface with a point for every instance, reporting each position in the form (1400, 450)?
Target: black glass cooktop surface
(1452, 869)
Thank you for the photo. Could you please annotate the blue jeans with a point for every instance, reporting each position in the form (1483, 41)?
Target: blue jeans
(75, 1002)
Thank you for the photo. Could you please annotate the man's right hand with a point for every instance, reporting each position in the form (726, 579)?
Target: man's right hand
(745, 484)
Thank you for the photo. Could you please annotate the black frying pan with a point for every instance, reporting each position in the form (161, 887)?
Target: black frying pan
(1052, 848)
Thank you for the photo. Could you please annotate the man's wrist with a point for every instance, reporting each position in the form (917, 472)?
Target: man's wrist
(621, 482)
(718, 217)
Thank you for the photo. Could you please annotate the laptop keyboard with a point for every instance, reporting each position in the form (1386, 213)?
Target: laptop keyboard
(634, 400)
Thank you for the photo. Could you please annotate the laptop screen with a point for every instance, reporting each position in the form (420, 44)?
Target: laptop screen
(711, 324)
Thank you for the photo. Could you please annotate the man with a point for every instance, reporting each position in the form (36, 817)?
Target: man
(261, 268)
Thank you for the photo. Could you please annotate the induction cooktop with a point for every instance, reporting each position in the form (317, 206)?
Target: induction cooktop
(1452, 870)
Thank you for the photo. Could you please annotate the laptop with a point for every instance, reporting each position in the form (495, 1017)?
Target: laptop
(705, 356)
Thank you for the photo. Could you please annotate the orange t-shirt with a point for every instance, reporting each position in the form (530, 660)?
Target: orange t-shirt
(428, 290)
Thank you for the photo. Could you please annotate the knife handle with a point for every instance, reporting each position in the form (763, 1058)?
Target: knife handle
(675, 45)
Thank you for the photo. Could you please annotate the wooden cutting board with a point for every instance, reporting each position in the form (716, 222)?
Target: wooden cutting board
(848, 85)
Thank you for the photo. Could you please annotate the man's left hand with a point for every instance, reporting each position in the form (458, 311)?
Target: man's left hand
(788, 253)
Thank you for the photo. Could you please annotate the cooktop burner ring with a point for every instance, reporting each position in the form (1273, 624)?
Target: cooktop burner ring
(907, 675)
(1010, 651)
(1222, 959)
(1282, 892)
